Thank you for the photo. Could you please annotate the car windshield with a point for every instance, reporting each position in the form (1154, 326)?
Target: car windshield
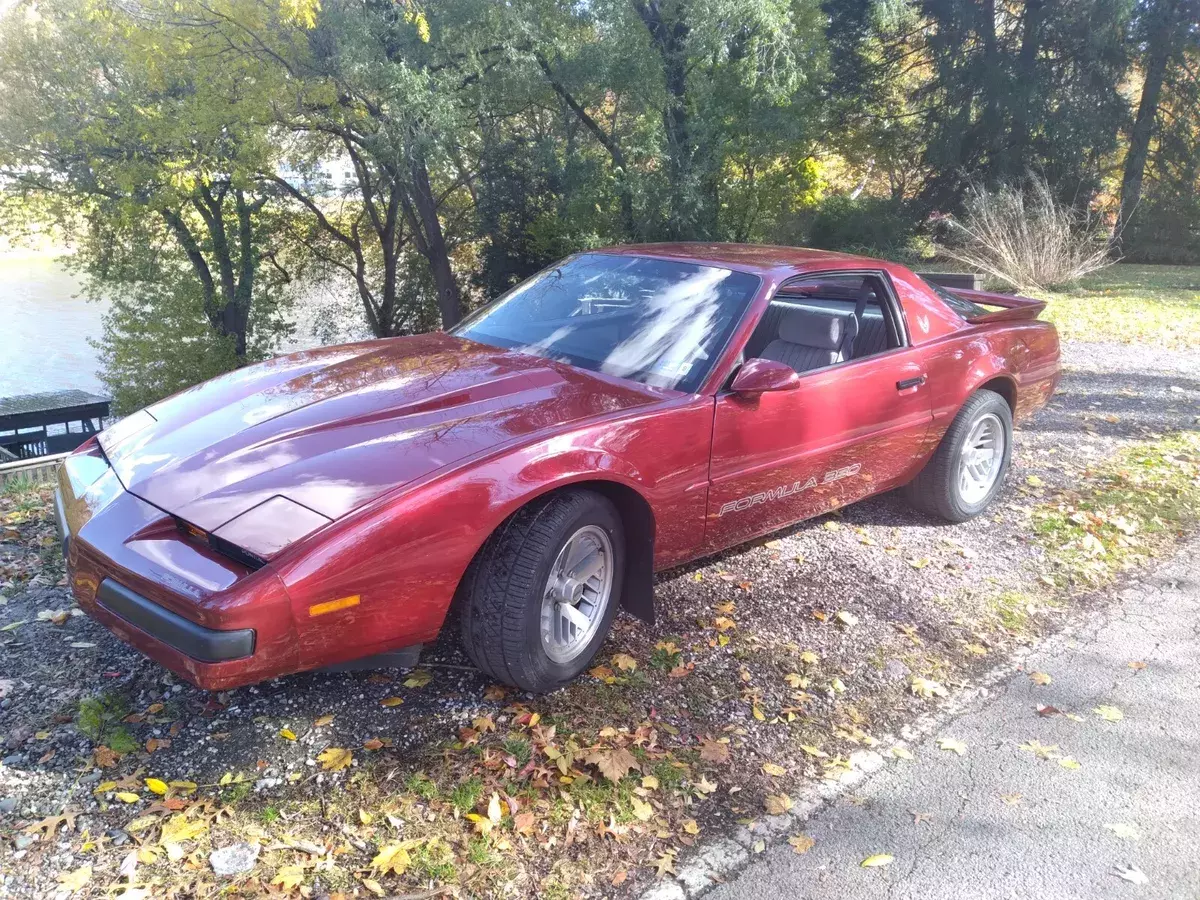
(654, 321)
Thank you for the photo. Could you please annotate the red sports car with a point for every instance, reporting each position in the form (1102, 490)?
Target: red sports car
(624, 411)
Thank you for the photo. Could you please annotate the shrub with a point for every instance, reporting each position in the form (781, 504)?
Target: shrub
(1165, 229)
(1023, 235)
(874, 226)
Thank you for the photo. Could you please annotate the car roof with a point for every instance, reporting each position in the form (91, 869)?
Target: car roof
(760, 259)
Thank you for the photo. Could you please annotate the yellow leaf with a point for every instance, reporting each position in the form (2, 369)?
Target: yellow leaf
(774, 769)
(724, 623)
(758, 714)
(777, 804)
(1068, 763)
(334, 759)
(287, 734)
(879, 859)
(104, 786)
(418, 679)
(918, 564)
(1039, 678)
(494, 813)
(650, 783)
(613, 764)
(74, 881)
(289, 877)
(837, 686)
(801, 843)
(374, 887)
(691, 826)
(924, 687)
(181, 828)
(847, 618)
(814, 751)
(1109, 713)
(665, 864)
(809, 658)
(185, 787)
(391, 701)
(322, 721)
(952, 745)
(159, 787)
(901, 753)
(624, 662)
(127, 797)
(391, 858)
(642, 810)
(365, 817)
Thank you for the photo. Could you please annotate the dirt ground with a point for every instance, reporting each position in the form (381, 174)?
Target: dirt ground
(787, 653)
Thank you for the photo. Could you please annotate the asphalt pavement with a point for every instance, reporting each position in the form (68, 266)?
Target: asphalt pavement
(1013, 817)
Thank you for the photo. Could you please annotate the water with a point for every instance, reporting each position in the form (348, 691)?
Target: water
(44, 328)
(45, 325)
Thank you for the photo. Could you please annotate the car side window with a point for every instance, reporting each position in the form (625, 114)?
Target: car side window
(823, 320)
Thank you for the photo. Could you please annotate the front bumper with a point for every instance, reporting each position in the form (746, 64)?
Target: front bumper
(209, 619)
(207, 645)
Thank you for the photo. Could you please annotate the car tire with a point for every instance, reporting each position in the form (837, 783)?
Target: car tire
(954, 485)
(512, 598)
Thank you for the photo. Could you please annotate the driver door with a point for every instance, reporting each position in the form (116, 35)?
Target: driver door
(848, 430)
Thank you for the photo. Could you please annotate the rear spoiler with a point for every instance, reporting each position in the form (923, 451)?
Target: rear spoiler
(1013, 308)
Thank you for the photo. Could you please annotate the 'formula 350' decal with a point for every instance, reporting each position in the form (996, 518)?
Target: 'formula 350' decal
(788, 490)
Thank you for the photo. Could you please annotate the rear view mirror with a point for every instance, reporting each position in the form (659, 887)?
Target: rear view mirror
(757, 376)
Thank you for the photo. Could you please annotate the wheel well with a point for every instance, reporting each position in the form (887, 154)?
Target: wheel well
(637, 594)
(1006, 389)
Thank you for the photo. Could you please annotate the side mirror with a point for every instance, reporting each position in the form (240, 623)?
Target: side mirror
(758, 376)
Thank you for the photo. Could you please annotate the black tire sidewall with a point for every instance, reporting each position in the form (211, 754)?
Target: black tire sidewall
(984, 403)
(539, 668)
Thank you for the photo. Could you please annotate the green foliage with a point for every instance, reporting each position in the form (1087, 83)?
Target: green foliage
(872, 225)
(465, 795)
(99, 718)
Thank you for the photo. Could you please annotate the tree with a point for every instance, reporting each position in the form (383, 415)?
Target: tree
(120, 127)
(1167, 31)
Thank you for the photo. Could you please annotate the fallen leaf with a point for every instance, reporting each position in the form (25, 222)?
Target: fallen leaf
(624, 662)
(847, 618)
(373, 744)
(1068, 763)
(1040, 750)
(774, 770)
(777, 804)
(879, 859)
(918, 564)
(287, 734)
(1039, 678)
(650, 783)
(128, 797)
(1137, 665)
(953, 745)
(1109, 713)
(495, 692)
(613, 764)
(691, 826)
(75, 880)
(322, 721)
(157, 786)
(924, 687)
(391, 858)
(418, 679)
(801, 843)
(391, 701)
(181, 828)
(724, 623)
(665, 864)
(289, 877)
(901, 753)
(714, 751)
(334, 759)
(1011, 799)
(809, 658)
(814, 751)
(642, 810)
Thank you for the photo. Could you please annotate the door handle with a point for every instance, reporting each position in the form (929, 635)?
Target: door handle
(907, 383)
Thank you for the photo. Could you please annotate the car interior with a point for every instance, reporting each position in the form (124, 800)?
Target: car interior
(820, 321)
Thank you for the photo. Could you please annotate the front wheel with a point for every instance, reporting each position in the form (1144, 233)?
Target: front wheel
(538, 599)
(969, 465)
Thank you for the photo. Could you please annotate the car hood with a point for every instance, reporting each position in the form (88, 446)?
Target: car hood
(333, 428)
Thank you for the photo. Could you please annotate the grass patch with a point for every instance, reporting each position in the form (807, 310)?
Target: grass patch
(1131, 304)
(99, 718)
(1131, 508)
(465, 794)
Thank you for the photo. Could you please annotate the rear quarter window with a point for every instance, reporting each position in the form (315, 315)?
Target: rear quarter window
(966, 309)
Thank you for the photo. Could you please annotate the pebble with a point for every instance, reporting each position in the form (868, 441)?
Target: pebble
(8, 804)
(234, 859)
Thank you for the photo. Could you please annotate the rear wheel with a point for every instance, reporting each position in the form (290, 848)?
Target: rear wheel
(968, 467)
(538, 599)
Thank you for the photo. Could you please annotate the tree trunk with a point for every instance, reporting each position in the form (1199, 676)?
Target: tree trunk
(431, 241)
(1031, 37)
(1159, 49)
